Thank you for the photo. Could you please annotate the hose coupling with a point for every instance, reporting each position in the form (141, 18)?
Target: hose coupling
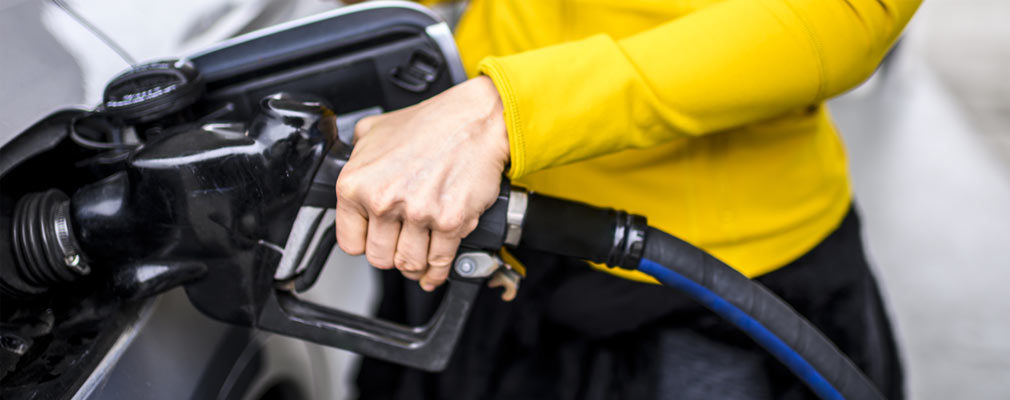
(45, 245)
(629, 240)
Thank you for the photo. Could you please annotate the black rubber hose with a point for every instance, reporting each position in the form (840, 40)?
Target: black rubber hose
(579, 230)
(765, 317)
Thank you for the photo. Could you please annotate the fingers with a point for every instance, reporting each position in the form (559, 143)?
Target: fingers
(351, 228)
(411, 256)
(441, 252)
(411, 246)
(378, 237)
(381, 242)
(412, 275)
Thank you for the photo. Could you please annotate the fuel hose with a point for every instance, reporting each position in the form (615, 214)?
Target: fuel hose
(759, 313)
(624, 240)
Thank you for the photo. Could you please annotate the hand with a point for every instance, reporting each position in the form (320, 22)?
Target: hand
(419, 178)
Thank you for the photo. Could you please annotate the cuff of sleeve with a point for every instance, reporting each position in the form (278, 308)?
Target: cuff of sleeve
(494, 69)
(550, 95)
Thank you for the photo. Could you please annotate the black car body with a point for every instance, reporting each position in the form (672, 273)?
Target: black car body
(99, 337)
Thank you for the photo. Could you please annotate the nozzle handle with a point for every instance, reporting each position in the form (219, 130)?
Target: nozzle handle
(426, 347)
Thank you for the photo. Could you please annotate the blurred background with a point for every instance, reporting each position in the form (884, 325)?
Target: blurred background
(928, 137)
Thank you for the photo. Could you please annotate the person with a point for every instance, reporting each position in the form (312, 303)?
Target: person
(707, 117)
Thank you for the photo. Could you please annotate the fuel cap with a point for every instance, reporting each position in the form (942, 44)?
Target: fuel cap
(151, 91)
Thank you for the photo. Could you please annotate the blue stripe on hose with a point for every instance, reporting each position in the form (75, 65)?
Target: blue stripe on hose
(746, 323)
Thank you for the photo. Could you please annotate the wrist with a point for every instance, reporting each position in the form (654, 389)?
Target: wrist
(491, 115)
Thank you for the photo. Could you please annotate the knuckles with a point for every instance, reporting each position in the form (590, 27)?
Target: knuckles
(380, 205)
(377, 201)
(364, 125)
(418, 212)
(347, 188)
(449, 221)
(421, 211)
(405, 264)
(389, 200)
(471, 224)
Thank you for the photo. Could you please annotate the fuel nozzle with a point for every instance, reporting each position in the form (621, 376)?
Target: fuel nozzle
(46, 249)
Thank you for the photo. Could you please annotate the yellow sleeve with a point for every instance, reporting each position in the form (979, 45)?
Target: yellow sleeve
(429, 3)
(734, 63)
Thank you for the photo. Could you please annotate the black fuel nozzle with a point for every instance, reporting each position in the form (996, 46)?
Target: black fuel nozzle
(46, 249)
(215, 206)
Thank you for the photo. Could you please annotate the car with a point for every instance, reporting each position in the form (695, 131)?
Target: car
(114, 330)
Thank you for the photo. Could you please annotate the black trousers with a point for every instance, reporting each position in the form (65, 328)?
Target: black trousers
(577, 333)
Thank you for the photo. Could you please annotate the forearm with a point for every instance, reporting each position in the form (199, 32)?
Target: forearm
(724, 66)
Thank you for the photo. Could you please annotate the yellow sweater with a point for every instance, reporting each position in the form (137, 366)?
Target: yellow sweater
(706, 116)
